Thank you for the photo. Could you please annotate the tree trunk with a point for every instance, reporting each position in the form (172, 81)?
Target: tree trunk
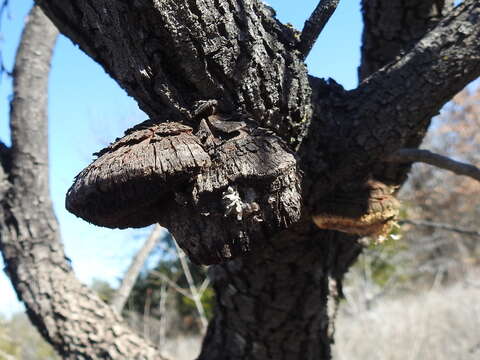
(280, 303)
(272, 299)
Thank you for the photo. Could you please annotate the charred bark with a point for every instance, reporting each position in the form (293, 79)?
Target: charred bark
(279, 303)
(157, 51)
(390, 30)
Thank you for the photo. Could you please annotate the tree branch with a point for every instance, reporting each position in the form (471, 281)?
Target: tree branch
(69, 315)
(441, 226)
(172, 284)
(121, 295)
(5, 167)
(193, 289)
(169, 54)
(413, 89)
(394, 27)
(5, 4)
(397, 101)
(315, 24)
(204, 285)
(440, 161)
(391, 29)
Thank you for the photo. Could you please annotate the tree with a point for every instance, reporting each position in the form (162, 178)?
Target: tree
(442, 208)
(269, 148)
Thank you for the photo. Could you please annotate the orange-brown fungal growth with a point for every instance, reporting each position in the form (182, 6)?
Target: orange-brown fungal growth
(370, 210)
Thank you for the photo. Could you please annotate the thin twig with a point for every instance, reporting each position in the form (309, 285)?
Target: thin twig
(440, 161)
(167, 249)
(172, 284)
(193, 288)
(4, 8)
(203, 286)
(163, 316)
(442, 226)
(146, 314)
(315, 24)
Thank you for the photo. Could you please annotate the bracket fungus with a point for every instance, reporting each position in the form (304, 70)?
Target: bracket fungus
(369, 210)
(131, 179)
(218, 202)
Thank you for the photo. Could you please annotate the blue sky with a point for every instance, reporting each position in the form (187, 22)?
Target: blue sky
(88, 109)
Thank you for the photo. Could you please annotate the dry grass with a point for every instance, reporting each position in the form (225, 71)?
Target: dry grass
(442, 324)
(437, 325)
(182, 348)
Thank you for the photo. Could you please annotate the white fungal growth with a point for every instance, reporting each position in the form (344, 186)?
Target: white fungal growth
(233, 203)
(235, 206)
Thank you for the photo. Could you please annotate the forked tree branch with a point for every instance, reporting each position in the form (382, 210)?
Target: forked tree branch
(315, 24)
(399, 100)
(440, 161)
(402, 25)
(172, 284)
(442, 226)
(421, 82)
(393, 27)
(193, 288)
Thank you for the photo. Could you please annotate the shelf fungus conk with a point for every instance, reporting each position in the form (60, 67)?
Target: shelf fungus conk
(215, 200)
(370, 210)
(132, 178)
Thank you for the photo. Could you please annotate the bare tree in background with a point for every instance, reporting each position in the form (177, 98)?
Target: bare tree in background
(121, 295)
(439, 230)
(315, 147)
(444, 208)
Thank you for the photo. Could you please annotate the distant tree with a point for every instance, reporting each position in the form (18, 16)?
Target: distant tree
(439, 239)
(246, 148)
(443, 208)
(103, 289)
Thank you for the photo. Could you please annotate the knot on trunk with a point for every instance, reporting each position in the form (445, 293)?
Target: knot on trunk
(218, 203)
(368, 210)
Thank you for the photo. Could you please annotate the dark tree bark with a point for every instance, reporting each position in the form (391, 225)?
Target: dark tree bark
(280, 303)
(391, 29)
(69, 315)
(272, 299)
